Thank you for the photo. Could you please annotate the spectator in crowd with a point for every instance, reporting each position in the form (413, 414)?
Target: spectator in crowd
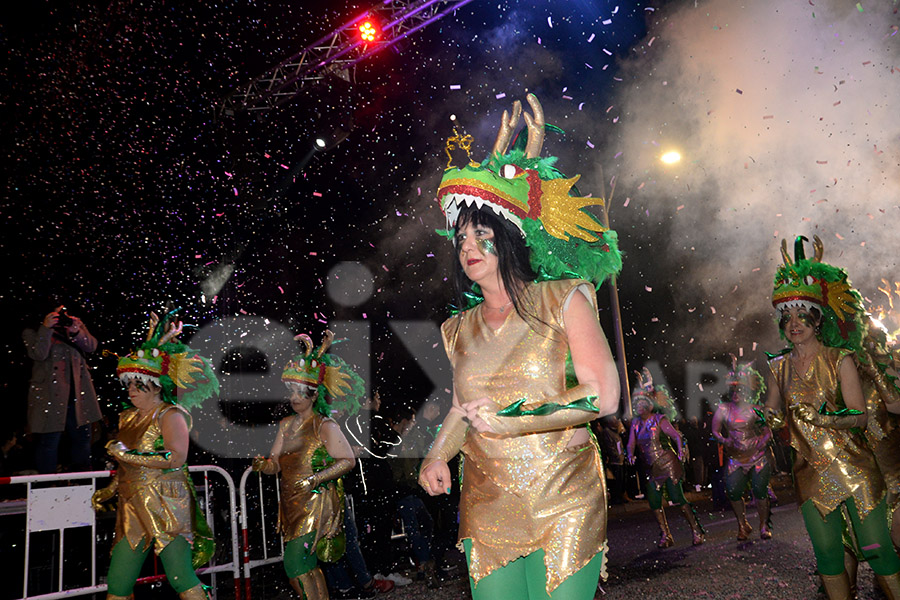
(61, 396)
(371, 486)
(417, 521)
(613, 452)
(697, 436)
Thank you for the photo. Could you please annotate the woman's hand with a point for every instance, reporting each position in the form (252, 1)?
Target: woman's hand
(436, 479)
(480, 413)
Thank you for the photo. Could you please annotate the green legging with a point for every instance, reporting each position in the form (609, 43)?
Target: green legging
(300, 555)
(526, 579)
(655, 497)
(826, 537)
(125, 566)
(736, 483)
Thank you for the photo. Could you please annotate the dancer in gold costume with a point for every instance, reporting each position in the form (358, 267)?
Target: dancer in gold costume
(157, 505)
(879, 381)
(739, 424)
(533, 499)
(312, 454)
(654, 406)
(816, 384)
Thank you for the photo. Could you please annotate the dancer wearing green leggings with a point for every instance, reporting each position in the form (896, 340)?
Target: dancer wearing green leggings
(157, 505)
(816, 385)
(739, 425)
(662, 465)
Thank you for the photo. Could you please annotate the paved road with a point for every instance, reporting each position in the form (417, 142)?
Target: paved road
(722, 568)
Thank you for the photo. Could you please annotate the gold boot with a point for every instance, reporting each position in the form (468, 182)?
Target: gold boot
(114, 597)
(195, 593)
(696, 529)
(764, 509)
(837, 587)
(851, 566)
(740, 512)
(665, 538)
(311, 585)
(890, 585)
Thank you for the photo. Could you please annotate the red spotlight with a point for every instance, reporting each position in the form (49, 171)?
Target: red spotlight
(368, 32)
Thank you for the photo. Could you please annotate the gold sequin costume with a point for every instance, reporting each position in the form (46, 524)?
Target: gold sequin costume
(744, 451)
(660, 461)
(883, 428)
(830, 465)
(302, 512)
(153, 503)
(523, 493)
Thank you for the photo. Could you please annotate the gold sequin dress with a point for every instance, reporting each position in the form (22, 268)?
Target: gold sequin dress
(523, 493)
(661, 462)
(744, 451)
(153, 503)
(830, 465)
(300, 513)
(883, 427)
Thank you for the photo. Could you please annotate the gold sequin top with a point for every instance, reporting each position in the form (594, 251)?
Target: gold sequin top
(830, 465)
(748, 440)
(882, 427)
(525, 492)
(302, 512)
(153, 503)
(661, 462)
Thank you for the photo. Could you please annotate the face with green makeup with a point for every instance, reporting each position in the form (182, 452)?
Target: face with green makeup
(476, 251)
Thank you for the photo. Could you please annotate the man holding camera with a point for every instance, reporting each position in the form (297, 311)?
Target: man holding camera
(61, 397)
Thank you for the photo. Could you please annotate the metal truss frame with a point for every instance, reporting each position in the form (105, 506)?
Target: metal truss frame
(335, 54)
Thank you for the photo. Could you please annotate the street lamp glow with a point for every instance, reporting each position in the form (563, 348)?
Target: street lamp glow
(671, 157)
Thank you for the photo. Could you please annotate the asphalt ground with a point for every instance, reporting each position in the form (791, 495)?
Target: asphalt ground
(722, 568)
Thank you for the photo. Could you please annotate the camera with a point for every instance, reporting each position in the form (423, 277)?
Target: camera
(63, 319)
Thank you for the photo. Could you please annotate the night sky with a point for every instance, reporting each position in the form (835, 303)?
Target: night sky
(126, 192)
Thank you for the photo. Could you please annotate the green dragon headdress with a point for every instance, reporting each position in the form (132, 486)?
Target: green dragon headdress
(658, 396)
(807, 283)
(186, 378)
(749, 379)
(333, 378)
(566, 241)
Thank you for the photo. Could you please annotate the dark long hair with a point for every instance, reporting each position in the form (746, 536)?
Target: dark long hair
(513, 258)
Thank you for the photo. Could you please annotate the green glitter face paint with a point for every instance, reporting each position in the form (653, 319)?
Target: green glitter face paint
(486, 246)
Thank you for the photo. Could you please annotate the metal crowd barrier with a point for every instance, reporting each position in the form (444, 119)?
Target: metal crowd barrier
(68, 506)
(262, 515)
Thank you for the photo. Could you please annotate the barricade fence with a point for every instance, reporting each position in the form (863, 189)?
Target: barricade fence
(60, 504)
(260, 496)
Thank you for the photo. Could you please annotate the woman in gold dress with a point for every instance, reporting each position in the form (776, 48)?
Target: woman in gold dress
(739, 425)
(533, 499)
(312, 454)
(816, 384)
(157, 505)
(653, 408)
